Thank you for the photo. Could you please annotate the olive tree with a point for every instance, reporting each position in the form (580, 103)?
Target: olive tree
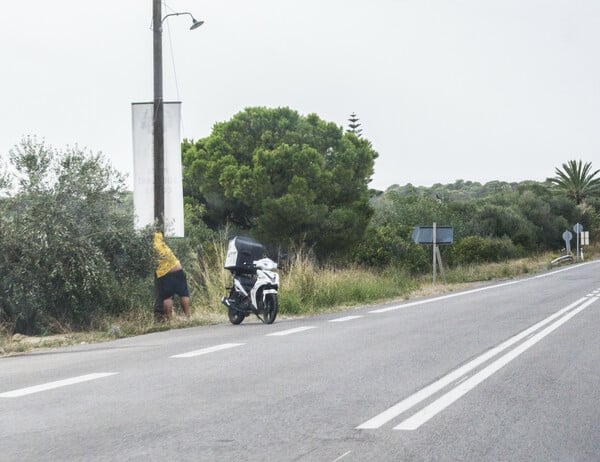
(68, 249)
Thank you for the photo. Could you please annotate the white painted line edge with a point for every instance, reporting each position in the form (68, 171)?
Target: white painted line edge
(291, 331)
(425, 414)
(407, 403)
(471, 291)
(57, 384)
(444, 297)
(345, 318)
(204, 351)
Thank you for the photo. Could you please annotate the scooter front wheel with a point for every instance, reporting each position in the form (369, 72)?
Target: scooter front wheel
(271, 309)
(235, 317)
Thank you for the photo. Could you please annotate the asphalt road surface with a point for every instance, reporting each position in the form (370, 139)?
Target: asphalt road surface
(502, 372)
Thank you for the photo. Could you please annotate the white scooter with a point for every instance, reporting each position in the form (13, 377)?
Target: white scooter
(254, 282)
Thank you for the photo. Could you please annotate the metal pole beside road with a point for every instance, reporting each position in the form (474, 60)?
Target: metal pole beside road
(578, 228)
(434, 254)
(158, 118)
(158, 115)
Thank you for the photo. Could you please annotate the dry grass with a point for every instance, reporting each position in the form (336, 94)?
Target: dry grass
(306, 289)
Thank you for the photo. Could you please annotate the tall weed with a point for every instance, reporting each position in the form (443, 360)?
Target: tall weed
(308, 288)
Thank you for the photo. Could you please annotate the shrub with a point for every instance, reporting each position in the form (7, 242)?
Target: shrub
(385, 246)
(477, 249)
(68, 249)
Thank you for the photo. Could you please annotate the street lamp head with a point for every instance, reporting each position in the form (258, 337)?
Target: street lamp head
(195, 24)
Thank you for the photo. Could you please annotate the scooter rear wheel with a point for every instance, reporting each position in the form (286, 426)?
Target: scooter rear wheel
(271, 308)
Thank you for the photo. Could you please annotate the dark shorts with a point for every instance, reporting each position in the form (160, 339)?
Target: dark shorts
(171, 284)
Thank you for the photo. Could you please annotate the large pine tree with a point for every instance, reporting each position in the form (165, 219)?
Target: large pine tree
(283, 177)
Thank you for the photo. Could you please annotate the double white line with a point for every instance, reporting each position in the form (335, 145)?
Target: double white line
(464, 386)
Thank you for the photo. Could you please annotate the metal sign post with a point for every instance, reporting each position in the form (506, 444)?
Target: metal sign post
(434, 235)
(441, 265)
(567, 236)
(434, 254)
(578, 228)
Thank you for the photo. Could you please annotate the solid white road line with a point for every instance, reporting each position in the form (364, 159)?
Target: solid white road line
(345, 318)
(418, 419)
(404, 405)
(52, 385)
(444, 297)
(204, 351)
(468, 292)
(291, 331)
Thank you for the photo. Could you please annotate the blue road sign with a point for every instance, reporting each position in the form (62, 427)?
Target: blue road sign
(424, 235)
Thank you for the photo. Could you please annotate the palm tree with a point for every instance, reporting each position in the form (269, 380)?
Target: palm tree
(577, 180)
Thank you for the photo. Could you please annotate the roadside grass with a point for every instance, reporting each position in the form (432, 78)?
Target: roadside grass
(501, 270)
(306, 289)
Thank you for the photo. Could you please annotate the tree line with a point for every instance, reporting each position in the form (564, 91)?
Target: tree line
(295, 180)
(492, 222)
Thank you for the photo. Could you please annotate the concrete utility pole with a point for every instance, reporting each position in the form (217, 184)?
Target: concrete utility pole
(158, 116)
(158, 119)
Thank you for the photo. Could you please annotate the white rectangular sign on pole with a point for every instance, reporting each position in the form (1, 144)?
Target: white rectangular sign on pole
(143, 167)
(585, 238)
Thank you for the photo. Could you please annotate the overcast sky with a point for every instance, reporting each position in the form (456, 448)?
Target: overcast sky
(476, 90)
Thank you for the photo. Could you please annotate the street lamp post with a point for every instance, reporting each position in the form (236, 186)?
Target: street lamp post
(158, 118)
(158, 111)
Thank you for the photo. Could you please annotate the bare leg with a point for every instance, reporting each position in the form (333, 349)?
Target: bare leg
(185, 304)
(168, 307)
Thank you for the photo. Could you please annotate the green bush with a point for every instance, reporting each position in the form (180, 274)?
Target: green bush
(385, 246)
(68, 249)
(477, 249)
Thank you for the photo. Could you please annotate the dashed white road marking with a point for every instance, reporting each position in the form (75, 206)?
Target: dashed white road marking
(204, 351)
(345, 318)
(57, 384)
(342, 456)
(291, 331)
(423, 394)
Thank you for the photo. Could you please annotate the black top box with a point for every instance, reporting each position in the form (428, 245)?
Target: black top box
(242, 252)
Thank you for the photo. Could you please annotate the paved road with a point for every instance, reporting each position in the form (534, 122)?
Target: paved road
(508, 371)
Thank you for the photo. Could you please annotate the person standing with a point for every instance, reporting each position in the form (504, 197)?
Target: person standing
(170, 278)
